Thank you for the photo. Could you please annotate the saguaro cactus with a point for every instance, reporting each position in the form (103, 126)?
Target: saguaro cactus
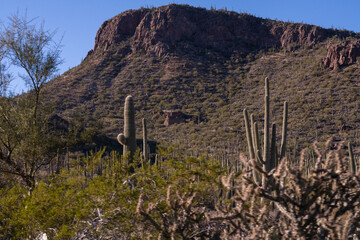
(273, 149)
(249, 134)
(266, 153)
(128, 138)
(284, 131)
(352, 159)
(145, 143)
(269, 157)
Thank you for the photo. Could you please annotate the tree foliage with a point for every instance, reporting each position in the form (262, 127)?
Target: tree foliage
(27, 143)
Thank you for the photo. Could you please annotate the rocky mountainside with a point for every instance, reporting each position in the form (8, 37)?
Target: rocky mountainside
(209, 65)
(158, 31)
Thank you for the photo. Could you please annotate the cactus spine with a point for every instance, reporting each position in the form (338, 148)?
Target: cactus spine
(128, 138)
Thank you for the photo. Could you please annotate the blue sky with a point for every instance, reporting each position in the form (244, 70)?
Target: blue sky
(77, 21)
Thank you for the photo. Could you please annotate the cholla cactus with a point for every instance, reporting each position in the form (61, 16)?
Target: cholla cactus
(179, 217)
(321, 202)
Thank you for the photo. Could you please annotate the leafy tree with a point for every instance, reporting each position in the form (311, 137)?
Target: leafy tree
(4, 76)
(26, 141)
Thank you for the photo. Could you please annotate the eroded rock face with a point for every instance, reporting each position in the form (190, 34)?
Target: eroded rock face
(299, 35)
(118, 28)
(342, 54)
(161, 30)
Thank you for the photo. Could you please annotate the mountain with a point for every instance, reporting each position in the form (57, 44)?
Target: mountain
(209, 65)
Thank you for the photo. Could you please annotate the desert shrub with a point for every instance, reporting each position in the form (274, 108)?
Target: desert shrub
(298, 201)
(102, 203)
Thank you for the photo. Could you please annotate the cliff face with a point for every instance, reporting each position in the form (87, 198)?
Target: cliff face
(158, 31)
(342, 54)
(294, 35)
(118, 29)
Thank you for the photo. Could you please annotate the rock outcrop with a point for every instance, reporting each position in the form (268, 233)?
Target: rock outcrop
(173, 117)
(295, 35)
(118, 28)
(342, 54)
(162, 30)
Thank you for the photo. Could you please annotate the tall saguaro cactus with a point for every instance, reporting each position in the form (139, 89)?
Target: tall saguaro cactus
(270, 156)
(250, 135)
(128, 138)
(266, 153)
(145, 142)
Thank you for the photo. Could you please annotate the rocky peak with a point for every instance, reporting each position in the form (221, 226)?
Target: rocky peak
(118, 28)
(161, 30)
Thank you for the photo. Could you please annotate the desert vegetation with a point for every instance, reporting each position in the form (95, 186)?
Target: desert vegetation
(217, 176)
(174, 196)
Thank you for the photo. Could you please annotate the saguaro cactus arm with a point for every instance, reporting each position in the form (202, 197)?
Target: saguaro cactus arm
(251, 145)
(352, 159)
(249, 135)
(145, 143)
(121, 139)
(266, 152)
(284, 131)
(257, 139)
(273, 149)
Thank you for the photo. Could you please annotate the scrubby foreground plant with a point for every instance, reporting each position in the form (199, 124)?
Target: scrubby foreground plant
(321, 202)
(84, 202)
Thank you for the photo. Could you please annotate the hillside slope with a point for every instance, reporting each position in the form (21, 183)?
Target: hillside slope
(211, 65)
